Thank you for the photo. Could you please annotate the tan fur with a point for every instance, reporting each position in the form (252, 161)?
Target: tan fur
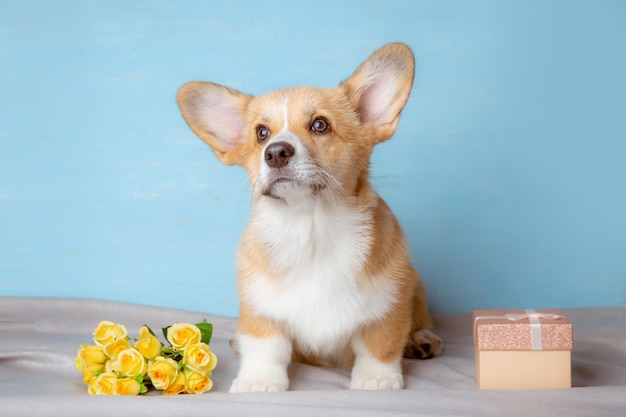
(345, 151)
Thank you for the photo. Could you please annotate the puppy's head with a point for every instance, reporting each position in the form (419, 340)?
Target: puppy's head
(302, 141)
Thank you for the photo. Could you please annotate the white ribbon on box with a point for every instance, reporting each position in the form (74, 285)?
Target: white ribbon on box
(535, 324)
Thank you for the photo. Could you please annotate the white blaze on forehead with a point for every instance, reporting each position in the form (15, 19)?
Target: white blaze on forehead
(285, 106)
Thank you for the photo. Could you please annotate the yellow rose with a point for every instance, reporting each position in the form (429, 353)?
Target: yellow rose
(107, 365)
(91, 386)
(196, 383)
(90, 376)
(106, 384)
(91, 372)
(177, 386)
(180, 335)
(148, 344)
(127, 386)
(89, 355)
(130, 363)
(108, 332)
(199, 358)
(162, 372)
(112, 350)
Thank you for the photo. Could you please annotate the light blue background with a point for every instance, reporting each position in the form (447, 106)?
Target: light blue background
(508, 170)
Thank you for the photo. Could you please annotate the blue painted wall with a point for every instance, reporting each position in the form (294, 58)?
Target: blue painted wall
(508, 170)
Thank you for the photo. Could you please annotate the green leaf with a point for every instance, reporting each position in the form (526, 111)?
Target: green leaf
(206, 329)
(170, 352)
(165, 333)
(150, 330)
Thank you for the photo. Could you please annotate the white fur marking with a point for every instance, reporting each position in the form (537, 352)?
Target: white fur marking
(300, 166)
(318, 249)
(285, 107)
(371, 374)
(264, 364)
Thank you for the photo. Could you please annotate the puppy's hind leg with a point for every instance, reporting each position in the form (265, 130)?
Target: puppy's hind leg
(422, 343)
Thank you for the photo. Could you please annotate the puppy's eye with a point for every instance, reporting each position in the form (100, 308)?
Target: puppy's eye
(262, 133)
(320, 125)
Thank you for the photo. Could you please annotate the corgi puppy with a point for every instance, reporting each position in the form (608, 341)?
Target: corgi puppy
(324, 270)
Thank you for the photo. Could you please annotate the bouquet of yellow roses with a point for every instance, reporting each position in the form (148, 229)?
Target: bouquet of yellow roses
(114, 366)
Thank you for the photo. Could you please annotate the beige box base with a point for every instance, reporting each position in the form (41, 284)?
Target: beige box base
(516, 369)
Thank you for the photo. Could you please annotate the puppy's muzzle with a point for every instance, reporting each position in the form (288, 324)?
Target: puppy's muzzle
(278, 154)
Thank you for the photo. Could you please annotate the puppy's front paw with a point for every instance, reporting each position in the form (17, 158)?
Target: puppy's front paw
(260, 384)
(370, 373)
(264, 362)
(423, 344)
(384, 382)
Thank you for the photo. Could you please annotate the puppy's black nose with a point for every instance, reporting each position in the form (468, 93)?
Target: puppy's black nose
(277, 155)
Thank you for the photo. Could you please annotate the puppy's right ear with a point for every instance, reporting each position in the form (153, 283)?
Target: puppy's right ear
(216, 114)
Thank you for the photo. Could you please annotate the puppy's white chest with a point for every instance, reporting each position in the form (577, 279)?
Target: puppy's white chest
(315, 291)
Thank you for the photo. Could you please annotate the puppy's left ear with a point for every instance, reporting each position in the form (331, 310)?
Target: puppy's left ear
(380, 87)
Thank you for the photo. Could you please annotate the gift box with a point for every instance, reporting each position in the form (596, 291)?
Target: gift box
(522, 349)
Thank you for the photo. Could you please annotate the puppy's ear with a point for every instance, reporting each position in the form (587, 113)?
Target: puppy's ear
(216, 114)
(380, 87)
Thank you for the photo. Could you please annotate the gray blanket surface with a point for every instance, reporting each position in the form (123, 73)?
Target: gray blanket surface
(39, 338)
